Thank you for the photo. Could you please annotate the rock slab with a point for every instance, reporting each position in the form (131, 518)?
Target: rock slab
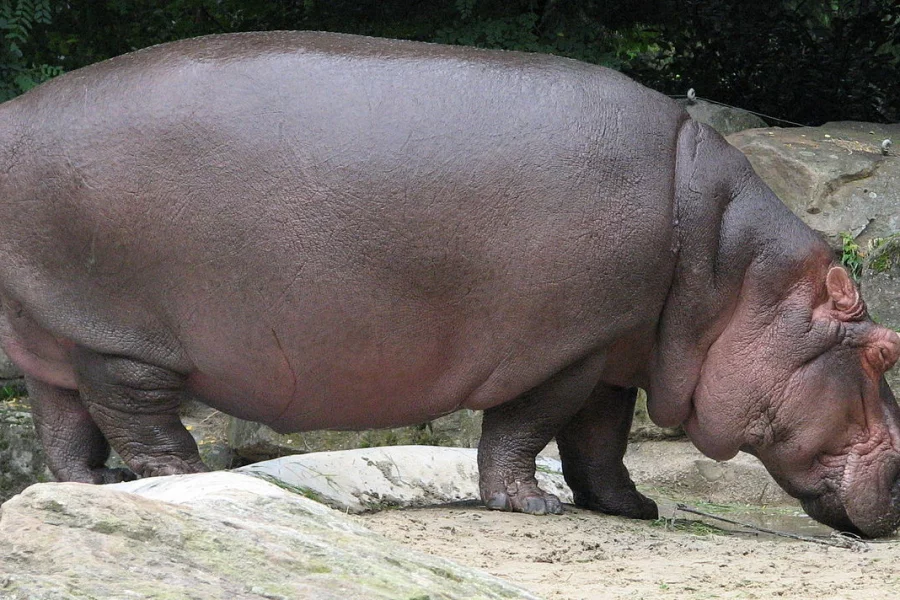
(724, 119)
(212, 535)
(255, 442)
(22, 459)
(834, 177)
(371, 479)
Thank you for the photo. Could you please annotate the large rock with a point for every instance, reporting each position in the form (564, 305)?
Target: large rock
(9, 373)
(22, 459)
(724, 119)
(213, 535)
(255, 442)
(370, 479)
(642, 428)
(678, 471)
(834, 177)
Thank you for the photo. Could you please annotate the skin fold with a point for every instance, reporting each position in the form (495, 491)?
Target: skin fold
(318, 230)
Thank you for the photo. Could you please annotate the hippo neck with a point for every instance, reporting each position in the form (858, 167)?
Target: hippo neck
(737, 242)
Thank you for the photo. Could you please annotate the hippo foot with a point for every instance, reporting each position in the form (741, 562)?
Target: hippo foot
(524, 497)
(95, 475)
(106, 475)
(167, 465)
(623, 503)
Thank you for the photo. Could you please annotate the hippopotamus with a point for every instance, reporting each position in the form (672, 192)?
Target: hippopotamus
(314, 230)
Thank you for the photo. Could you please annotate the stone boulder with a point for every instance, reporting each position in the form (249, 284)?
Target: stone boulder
(371, 479)
(211, 535)
(255, 442)
(834, 177)
(9, 373)
(724, 119)
(22, 459)
(643, 428)
(676, 470)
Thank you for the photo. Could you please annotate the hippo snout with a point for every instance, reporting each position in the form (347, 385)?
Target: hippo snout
(872, 522)
(825, 510)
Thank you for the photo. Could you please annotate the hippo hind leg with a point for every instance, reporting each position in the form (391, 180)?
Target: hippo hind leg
(76, 449)
(513, 433)
(135, 404)
(591, 447)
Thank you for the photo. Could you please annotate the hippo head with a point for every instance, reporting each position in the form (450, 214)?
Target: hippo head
(799, 383)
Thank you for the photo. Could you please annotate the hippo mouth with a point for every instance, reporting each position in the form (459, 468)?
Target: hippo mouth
(828, 508)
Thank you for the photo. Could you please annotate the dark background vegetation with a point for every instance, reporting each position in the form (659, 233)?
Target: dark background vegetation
(808, 61)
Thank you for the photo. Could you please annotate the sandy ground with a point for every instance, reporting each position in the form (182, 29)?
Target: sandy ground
(582, 555)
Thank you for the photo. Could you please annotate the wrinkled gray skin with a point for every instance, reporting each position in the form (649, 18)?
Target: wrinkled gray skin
(326, 231)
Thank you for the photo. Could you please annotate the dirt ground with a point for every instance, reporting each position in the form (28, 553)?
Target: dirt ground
(582, 555)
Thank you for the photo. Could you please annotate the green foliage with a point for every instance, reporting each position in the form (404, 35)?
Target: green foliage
(806, 60)
(77, 33)
(17, 73)
(11, 392)
(879, 255)
(809, 61)
(883, 253)
(851, 255)
(529, 32)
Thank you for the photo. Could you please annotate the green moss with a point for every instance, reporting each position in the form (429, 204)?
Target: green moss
(54, 506)
(445, 574)
(736, 508)
(319, 568)
(424, 435)
(379, 437)
(883, 254)
(548, 470)
(382, 504)
(688, 526)
(128, 530)
(294, 489)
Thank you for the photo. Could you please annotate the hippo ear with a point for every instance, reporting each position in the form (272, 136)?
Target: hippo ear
(884, 351)
(844, 295)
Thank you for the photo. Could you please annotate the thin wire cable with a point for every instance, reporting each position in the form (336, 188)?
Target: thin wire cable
(759, 114)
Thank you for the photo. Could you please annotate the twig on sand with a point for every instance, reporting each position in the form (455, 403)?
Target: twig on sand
(839, 540)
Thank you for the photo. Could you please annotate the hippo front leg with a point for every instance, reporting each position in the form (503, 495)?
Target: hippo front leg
(136, 405)
(591, 447)
(513, 433)
(76, 448)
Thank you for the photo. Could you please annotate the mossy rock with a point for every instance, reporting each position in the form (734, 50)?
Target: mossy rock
(642, 428)
(256, 442)
(22, 459)
(884, 256)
